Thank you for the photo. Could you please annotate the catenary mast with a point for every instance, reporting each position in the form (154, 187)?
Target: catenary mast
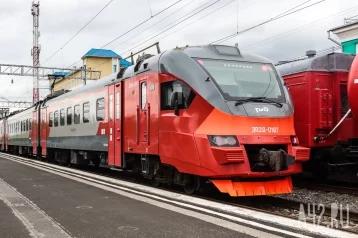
(35, 52)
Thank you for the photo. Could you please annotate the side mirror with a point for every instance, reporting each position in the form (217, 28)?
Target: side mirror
(176, 100)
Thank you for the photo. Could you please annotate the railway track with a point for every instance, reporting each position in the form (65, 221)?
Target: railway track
(328, 186)
(267, 204)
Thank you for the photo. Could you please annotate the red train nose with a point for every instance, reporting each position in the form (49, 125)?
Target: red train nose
(353, 88)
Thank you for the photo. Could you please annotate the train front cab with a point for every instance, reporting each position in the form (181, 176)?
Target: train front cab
(211, 123)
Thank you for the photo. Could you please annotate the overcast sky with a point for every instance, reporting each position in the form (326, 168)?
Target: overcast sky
(281, 39)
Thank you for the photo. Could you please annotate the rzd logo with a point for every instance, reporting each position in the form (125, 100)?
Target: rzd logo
(263, 109)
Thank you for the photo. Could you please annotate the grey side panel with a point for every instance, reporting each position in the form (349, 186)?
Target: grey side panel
(92, 143)
(20, 142)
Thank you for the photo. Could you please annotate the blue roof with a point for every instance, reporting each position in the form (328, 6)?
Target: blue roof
(124, 63)
(101, 53)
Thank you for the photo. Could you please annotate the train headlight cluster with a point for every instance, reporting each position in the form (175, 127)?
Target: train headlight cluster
(227, 141)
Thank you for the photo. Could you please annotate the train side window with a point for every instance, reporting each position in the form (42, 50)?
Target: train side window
(168, 88)
(50, 119)
(62, 117)
(344, 99)
(143, 94)
(30, 124)
(27, 125)
(100, 109)
(118, 107)
(69, 116)
(77, 114)
(111, 107)
(86, 112)
(56, 118)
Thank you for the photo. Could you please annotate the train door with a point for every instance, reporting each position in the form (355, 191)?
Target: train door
(34, 135)
(143, 112)
(115, 125)
(43, 133)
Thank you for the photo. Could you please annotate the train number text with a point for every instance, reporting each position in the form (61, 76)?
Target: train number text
(262, 129)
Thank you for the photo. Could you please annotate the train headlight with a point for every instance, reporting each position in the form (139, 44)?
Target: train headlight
(227, 141)
(294, 141)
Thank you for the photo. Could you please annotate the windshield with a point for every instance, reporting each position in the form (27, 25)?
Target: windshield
(238, 80)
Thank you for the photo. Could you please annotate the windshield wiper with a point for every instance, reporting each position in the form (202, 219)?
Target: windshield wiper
(258, 99)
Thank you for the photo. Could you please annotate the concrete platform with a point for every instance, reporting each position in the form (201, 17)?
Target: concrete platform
(10, 225)
(38, 203)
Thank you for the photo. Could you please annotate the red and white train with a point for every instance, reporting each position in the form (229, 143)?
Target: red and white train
(185, 116)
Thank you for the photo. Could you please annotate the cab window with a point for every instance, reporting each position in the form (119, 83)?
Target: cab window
(168, 88)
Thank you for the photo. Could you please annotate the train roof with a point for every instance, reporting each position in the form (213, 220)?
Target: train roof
(331, 62)
(157, 63)
(87, 88)
(223, 52)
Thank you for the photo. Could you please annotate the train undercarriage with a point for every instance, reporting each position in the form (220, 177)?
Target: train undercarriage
(150, 167)
(339, 162)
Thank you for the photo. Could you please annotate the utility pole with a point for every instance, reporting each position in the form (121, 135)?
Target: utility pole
(35, 52)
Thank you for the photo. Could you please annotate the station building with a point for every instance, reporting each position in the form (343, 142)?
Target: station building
(105, 61)
(348, 35)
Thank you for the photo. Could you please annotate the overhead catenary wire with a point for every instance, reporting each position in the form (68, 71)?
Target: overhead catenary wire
(161, 20)
(128, 31)
(79, 31)
(176, 24)
(265, 22)
(118, 37)
(170, 27)
(297, 29)
(320, 52)
(252, 44)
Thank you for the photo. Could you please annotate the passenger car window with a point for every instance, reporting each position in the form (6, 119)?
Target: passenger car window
(62, 117)
(69, 116)
(50, 119)
(56, 118)
(100, 109)
(86, 112)
(168, 88)
(77, 114)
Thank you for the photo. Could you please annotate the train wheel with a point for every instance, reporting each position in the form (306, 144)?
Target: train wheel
(192, 184)
(96, 162)
(155, 183)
